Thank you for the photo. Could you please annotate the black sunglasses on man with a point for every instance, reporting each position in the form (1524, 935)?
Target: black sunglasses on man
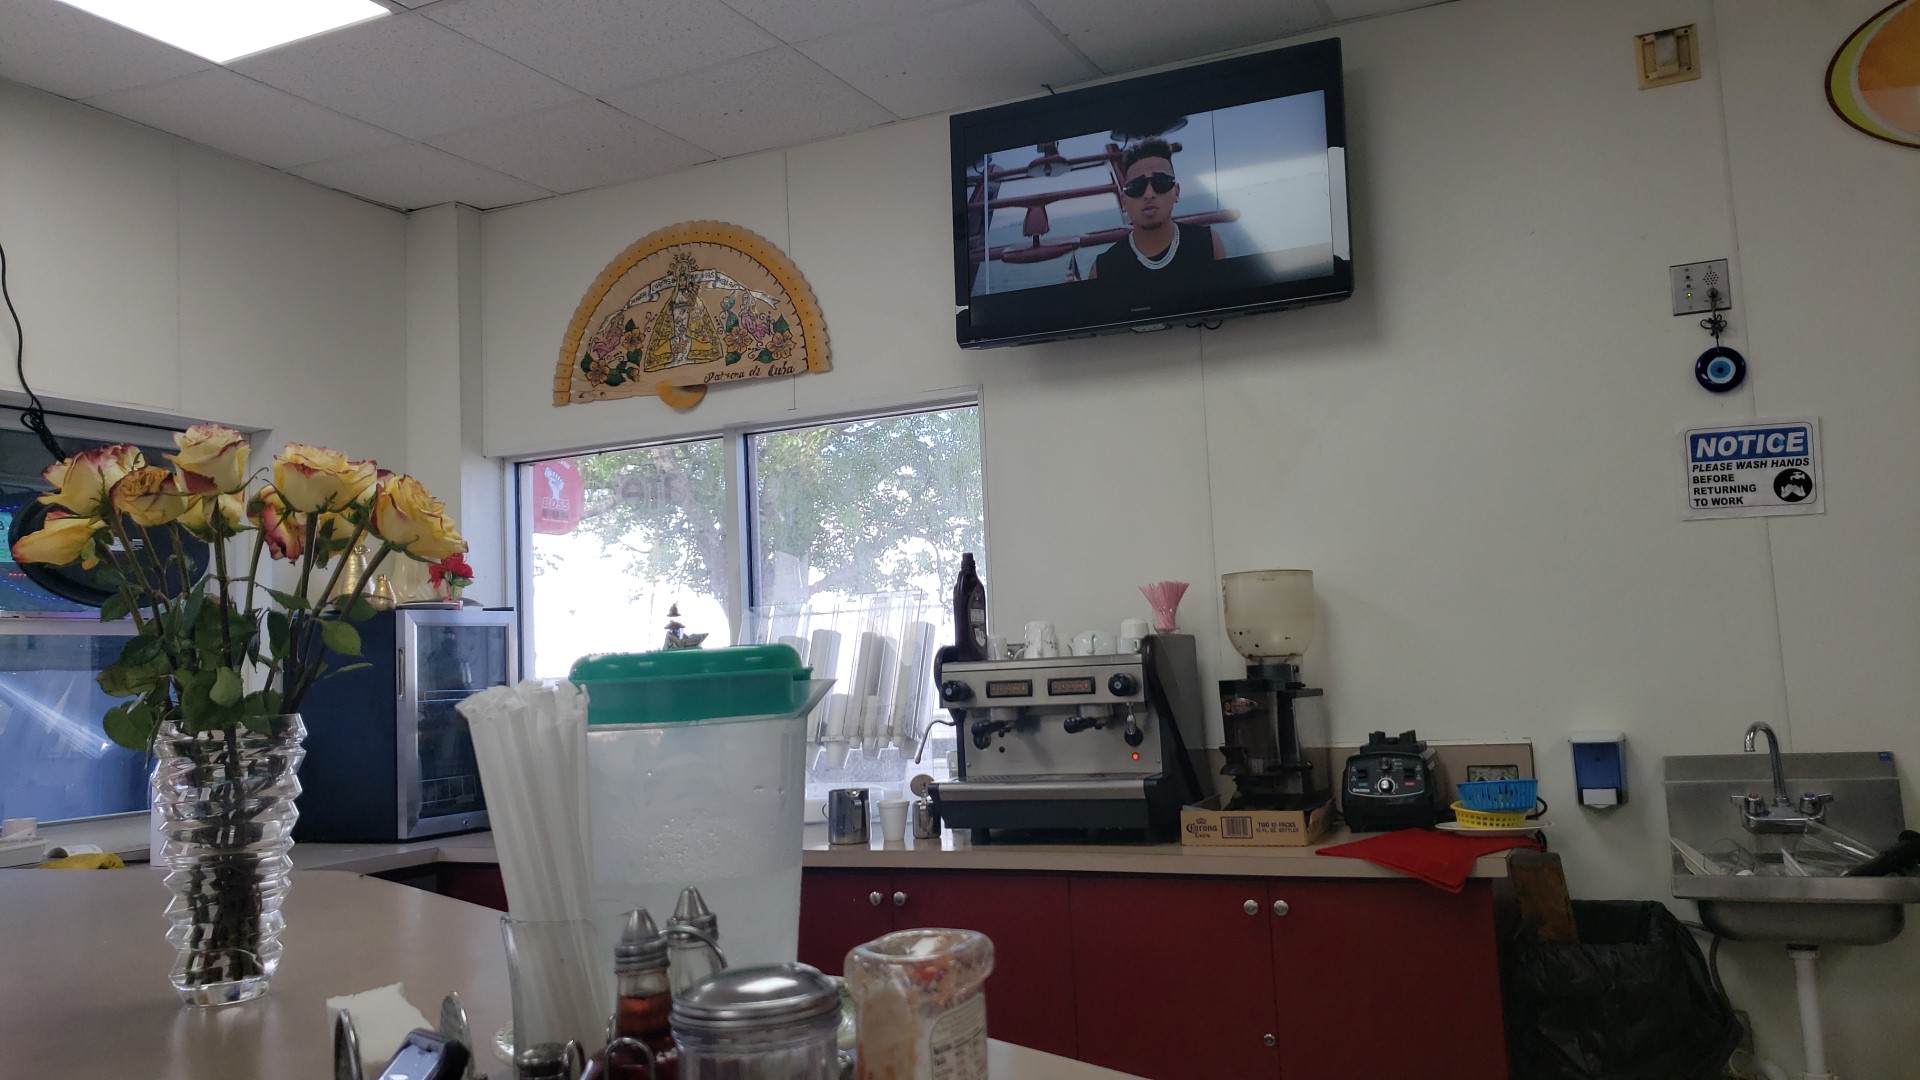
(1136, 187)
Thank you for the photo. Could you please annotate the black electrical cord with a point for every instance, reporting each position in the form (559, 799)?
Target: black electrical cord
(34, 417)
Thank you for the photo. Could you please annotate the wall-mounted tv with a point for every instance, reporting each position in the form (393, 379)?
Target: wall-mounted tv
(1182, 197)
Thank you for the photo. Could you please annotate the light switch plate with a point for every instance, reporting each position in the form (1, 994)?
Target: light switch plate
(1693, 284)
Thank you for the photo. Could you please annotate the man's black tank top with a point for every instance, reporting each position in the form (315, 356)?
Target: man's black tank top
(1190, 271)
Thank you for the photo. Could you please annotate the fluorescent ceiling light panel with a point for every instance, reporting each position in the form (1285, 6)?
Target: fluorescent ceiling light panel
(224, 30)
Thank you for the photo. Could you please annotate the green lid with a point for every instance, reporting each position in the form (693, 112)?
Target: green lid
(679, 685)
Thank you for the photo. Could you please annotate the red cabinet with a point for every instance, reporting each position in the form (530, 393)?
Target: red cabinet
(1173, 977)
(1029, 994)
(1352, 958)
(840, 909)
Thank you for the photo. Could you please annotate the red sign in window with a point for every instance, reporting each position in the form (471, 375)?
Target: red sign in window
(558, 496)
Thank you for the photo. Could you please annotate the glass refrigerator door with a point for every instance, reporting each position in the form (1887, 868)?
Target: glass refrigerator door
(55, 761)
(452, 660)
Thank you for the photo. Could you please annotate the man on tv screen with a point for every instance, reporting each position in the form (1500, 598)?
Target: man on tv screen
(1158, 250)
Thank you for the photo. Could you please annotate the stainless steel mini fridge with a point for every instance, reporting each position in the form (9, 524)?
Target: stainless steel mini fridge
(389, 756)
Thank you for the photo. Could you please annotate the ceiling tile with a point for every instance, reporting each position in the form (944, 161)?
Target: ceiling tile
(1124, 35)
(601, 45)
(406, 74)
(411, 176)
(954, 59)
(775, 98)
(572, 147)
(66, 51)
(231, 112)
(793, 22)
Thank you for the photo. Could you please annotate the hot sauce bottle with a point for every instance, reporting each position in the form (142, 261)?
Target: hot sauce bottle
(641, 1009)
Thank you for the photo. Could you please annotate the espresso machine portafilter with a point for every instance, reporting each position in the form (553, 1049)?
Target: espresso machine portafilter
(1271, 742)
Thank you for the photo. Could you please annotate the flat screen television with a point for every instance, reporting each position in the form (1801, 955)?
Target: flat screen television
(1186, 196)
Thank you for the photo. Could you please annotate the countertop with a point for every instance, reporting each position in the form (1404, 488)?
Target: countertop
(953, 851)
(85, 991)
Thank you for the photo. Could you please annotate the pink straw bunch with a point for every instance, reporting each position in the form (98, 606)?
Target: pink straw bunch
(1165, 598)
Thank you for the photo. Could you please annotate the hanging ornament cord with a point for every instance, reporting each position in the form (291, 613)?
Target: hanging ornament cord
(1715, 323)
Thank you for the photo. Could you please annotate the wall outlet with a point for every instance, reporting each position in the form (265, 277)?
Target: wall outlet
(1695, 285)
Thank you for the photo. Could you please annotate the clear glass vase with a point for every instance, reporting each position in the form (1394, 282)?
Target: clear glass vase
(225, 802)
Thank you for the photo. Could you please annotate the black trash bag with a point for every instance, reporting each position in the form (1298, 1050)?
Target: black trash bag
(1631, 1001)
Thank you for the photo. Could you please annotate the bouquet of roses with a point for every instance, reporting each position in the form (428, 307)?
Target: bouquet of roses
(225, 649)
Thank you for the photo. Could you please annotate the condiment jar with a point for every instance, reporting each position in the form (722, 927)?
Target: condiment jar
(922, 1003)
(776, 1022)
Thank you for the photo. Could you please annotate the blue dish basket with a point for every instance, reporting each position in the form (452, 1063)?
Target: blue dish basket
(1495, 796)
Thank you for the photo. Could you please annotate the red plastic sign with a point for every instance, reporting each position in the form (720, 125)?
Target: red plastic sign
(559, 496)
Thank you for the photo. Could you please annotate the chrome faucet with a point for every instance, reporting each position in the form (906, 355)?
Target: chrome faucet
(1761, 727)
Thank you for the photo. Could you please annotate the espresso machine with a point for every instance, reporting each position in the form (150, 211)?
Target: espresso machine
(1081, 744)
(1275, 738)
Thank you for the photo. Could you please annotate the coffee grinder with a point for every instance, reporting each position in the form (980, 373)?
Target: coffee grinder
(1271, 742)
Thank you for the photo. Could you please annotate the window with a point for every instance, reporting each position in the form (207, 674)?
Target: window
(614, 541)
(760, 535)
(56, 763)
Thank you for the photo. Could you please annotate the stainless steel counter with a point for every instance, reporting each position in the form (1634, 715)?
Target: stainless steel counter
(84, 990)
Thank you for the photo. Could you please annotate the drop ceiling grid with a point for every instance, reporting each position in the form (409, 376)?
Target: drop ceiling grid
(492, 102)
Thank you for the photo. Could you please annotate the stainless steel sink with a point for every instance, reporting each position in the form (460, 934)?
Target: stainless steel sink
(1702, 811)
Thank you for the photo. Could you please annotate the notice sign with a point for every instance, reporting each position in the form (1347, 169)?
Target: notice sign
(1758, 468)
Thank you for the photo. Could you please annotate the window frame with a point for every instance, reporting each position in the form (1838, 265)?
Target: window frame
(737, 515)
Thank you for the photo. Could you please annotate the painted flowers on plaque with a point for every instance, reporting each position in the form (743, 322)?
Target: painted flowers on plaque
(686, 307)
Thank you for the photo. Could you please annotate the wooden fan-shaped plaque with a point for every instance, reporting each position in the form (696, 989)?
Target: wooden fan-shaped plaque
(683, 308)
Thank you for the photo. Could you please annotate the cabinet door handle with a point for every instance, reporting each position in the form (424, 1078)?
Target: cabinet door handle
(1269, 1040)
(1251, 907)
(899, 899)
(1280, 907)
(874, 899)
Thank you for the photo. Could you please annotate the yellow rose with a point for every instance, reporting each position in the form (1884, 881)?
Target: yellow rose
(285, 533)
(81, 482)
(148, 496)
(332, 533)
(211, 458)
(408, 517)
(200, 521)
(313, 478)
(59, 541)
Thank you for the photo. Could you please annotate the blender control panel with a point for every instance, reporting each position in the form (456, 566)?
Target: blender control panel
(1385, 776)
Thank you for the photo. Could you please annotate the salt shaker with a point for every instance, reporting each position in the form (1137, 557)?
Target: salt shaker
(693, 941)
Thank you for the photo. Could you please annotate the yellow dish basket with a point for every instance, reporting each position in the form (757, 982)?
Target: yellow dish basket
(1489, 819)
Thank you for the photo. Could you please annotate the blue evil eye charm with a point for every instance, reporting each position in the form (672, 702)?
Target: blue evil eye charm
(1720, 369)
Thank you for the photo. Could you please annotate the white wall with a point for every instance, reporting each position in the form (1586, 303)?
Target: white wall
(1476, 454)
(152, 273)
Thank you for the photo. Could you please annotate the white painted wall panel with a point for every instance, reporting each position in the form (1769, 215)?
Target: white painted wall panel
(292, 309)
(87, 214)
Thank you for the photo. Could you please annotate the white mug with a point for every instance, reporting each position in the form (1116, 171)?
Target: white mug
(1131, 631)
(1042, 640)
(1105, 643)
(996, 646)
(1083, 643)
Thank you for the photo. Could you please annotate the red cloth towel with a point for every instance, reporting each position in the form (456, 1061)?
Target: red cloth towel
(1441, 859)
